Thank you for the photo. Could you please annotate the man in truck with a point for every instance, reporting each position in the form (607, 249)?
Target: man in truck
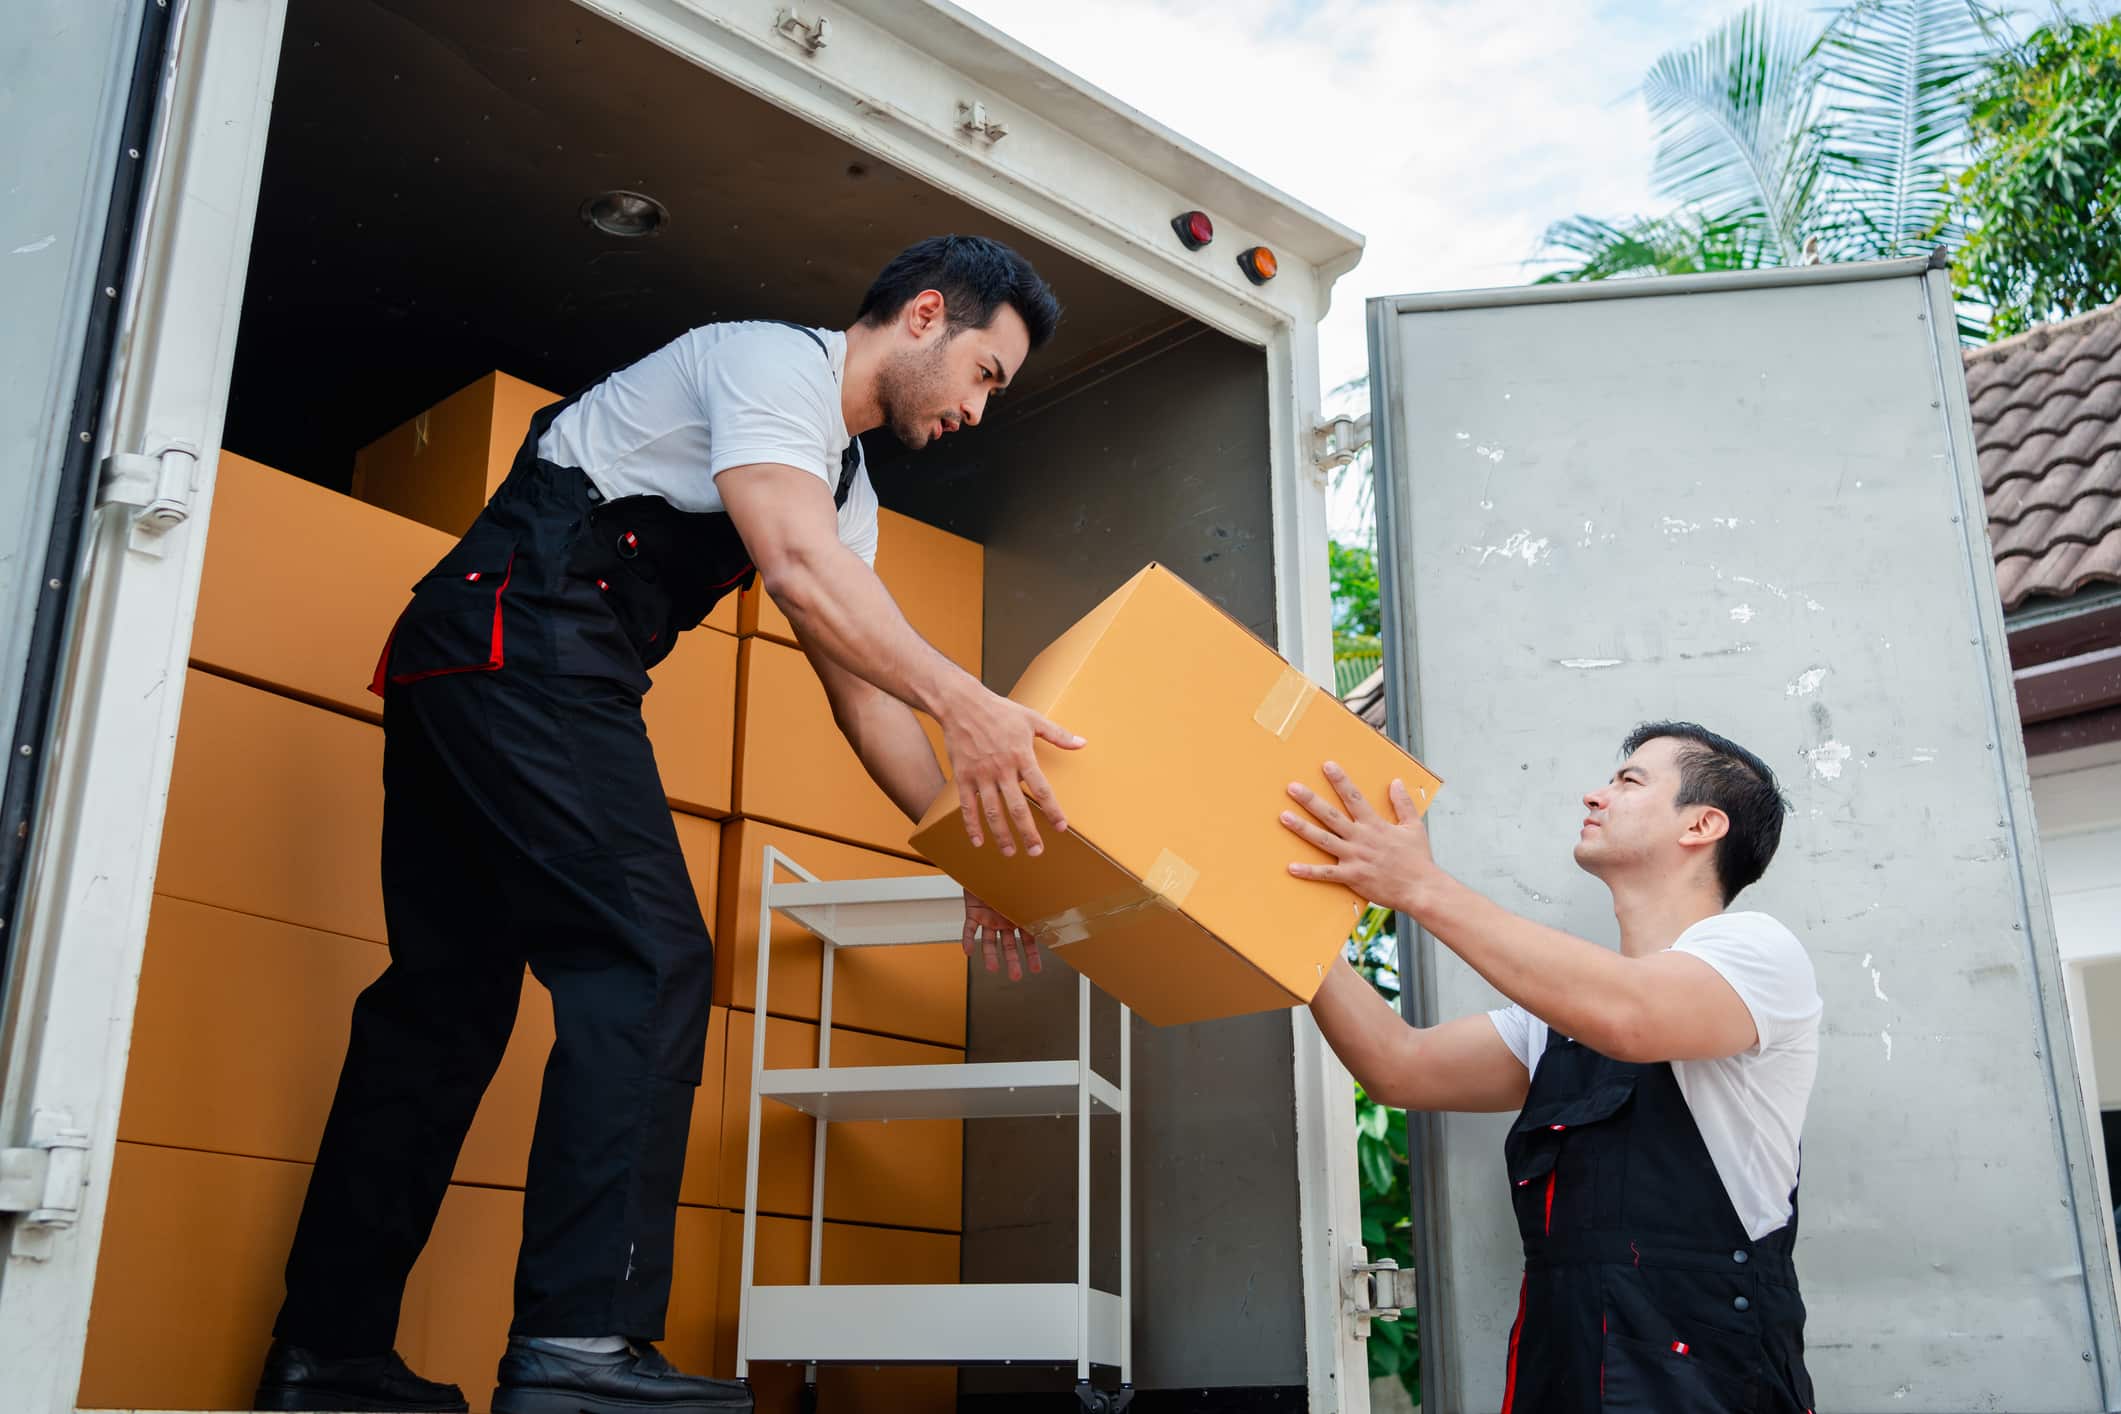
(1660, 1089)
(524, 820)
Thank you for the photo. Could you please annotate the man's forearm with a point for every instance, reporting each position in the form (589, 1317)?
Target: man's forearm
(842, 610)
(1581, 989)
(1368, 1036)
(895, 752)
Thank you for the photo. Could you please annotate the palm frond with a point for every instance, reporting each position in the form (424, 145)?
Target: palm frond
(1736, 126)
(1588, 248)
(1897, 75)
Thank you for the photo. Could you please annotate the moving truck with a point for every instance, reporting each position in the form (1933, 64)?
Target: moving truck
(261, 248)
(337, 229)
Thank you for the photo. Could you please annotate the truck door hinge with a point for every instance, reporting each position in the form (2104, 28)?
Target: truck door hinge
(810, 38)
(43, 1181)
(158, 485)
(1337, 441)
(1374, 1291)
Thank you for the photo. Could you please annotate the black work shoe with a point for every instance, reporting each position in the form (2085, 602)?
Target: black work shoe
(295, 1378)
(538, 1379)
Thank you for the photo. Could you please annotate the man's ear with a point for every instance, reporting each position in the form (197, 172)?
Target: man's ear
(1704, 826)
(926, 312)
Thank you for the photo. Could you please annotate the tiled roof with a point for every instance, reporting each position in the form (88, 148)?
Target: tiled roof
(1367, 700)
(2047, 425)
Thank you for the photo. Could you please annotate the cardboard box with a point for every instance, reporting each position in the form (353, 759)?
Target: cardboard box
(691, 717)
(1171, 889)
(937, 578)
(188, 1278)
(914, 992)
(460, 1299)
(302, 584)
(241, 1030)
(852, 1255)
(441, 466)
(905, 1173)
(275, 809)
(793, 766)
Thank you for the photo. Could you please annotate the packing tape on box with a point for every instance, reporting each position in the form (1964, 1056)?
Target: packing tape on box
(1165, 886)
(1284, 705)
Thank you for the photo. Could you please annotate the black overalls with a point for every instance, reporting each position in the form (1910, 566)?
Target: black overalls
(524, 821)
(1641, 1289)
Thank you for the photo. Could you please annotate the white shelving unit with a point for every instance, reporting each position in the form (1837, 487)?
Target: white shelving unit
(988, 1323)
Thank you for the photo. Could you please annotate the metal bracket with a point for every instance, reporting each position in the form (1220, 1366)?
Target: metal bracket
(158, 485)
(1337, 441)
(810, 38)
(972, 118)
(43, 1181)
(1374, 1291)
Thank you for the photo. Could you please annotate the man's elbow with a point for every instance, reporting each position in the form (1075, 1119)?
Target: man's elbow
(1628, 1032)
(791, 574)
(1395, 1093)
(1388, 1078)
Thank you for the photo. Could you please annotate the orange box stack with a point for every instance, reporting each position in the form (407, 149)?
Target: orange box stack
(268, 921)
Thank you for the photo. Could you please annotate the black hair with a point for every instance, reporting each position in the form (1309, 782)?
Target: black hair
(976, 277)
(1714, 770)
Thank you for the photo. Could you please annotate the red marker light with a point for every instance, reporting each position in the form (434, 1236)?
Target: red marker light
(1193, 228)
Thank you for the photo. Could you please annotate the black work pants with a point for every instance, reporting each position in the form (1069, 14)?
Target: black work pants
(524, 822)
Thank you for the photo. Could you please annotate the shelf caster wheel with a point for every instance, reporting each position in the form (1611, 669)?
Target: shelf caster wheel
(1101, 1401)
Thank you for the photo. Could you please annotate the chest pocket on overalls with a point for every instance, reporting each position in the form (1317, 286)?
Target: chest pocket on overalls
(457, 620)
(1536, 1140)
(659, 570)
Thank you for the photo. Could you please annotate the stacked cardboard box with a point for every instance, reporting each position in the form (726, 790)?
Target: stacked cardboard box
(268, 922)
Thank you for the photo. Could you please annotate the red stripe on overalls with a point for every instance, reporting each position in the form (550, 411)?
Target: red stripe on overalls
(1509, 1389)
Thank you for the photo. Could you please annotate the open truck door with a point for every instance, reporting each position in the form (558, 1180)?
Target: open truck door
(180, 152)
(1751, 501)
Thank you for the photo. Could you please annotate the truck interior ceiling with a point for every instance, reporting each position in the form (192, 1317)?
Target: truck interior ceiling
(423, 222)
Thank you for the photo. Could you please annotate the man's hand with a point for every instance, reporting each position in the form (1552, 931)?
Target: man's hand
(989, 741)
(1387, 862)
(984, 927)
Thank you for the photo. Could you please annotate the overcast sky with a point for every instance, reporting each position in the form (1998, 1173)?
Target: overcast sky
(1448, 132)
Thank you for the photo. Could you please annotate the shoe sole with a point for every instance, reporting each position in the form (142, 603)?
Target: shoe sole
(308, 1399)
(554, 1401)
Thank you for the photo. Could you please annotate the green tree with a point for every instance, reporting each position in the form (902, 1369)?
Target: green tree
(1781, 144)
(1388, 1231)
(1356, 613)
(1357, 618)
(2043, 195)
(1382, 1166)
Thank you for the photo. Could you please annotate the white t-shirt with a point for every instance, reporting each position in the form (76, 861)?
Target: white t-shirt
(719, 396)
(1748, 1107)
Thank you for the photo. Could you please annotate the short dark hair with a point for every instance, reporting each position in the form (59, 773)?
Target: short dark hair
(1714, 770)
(976, 277)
